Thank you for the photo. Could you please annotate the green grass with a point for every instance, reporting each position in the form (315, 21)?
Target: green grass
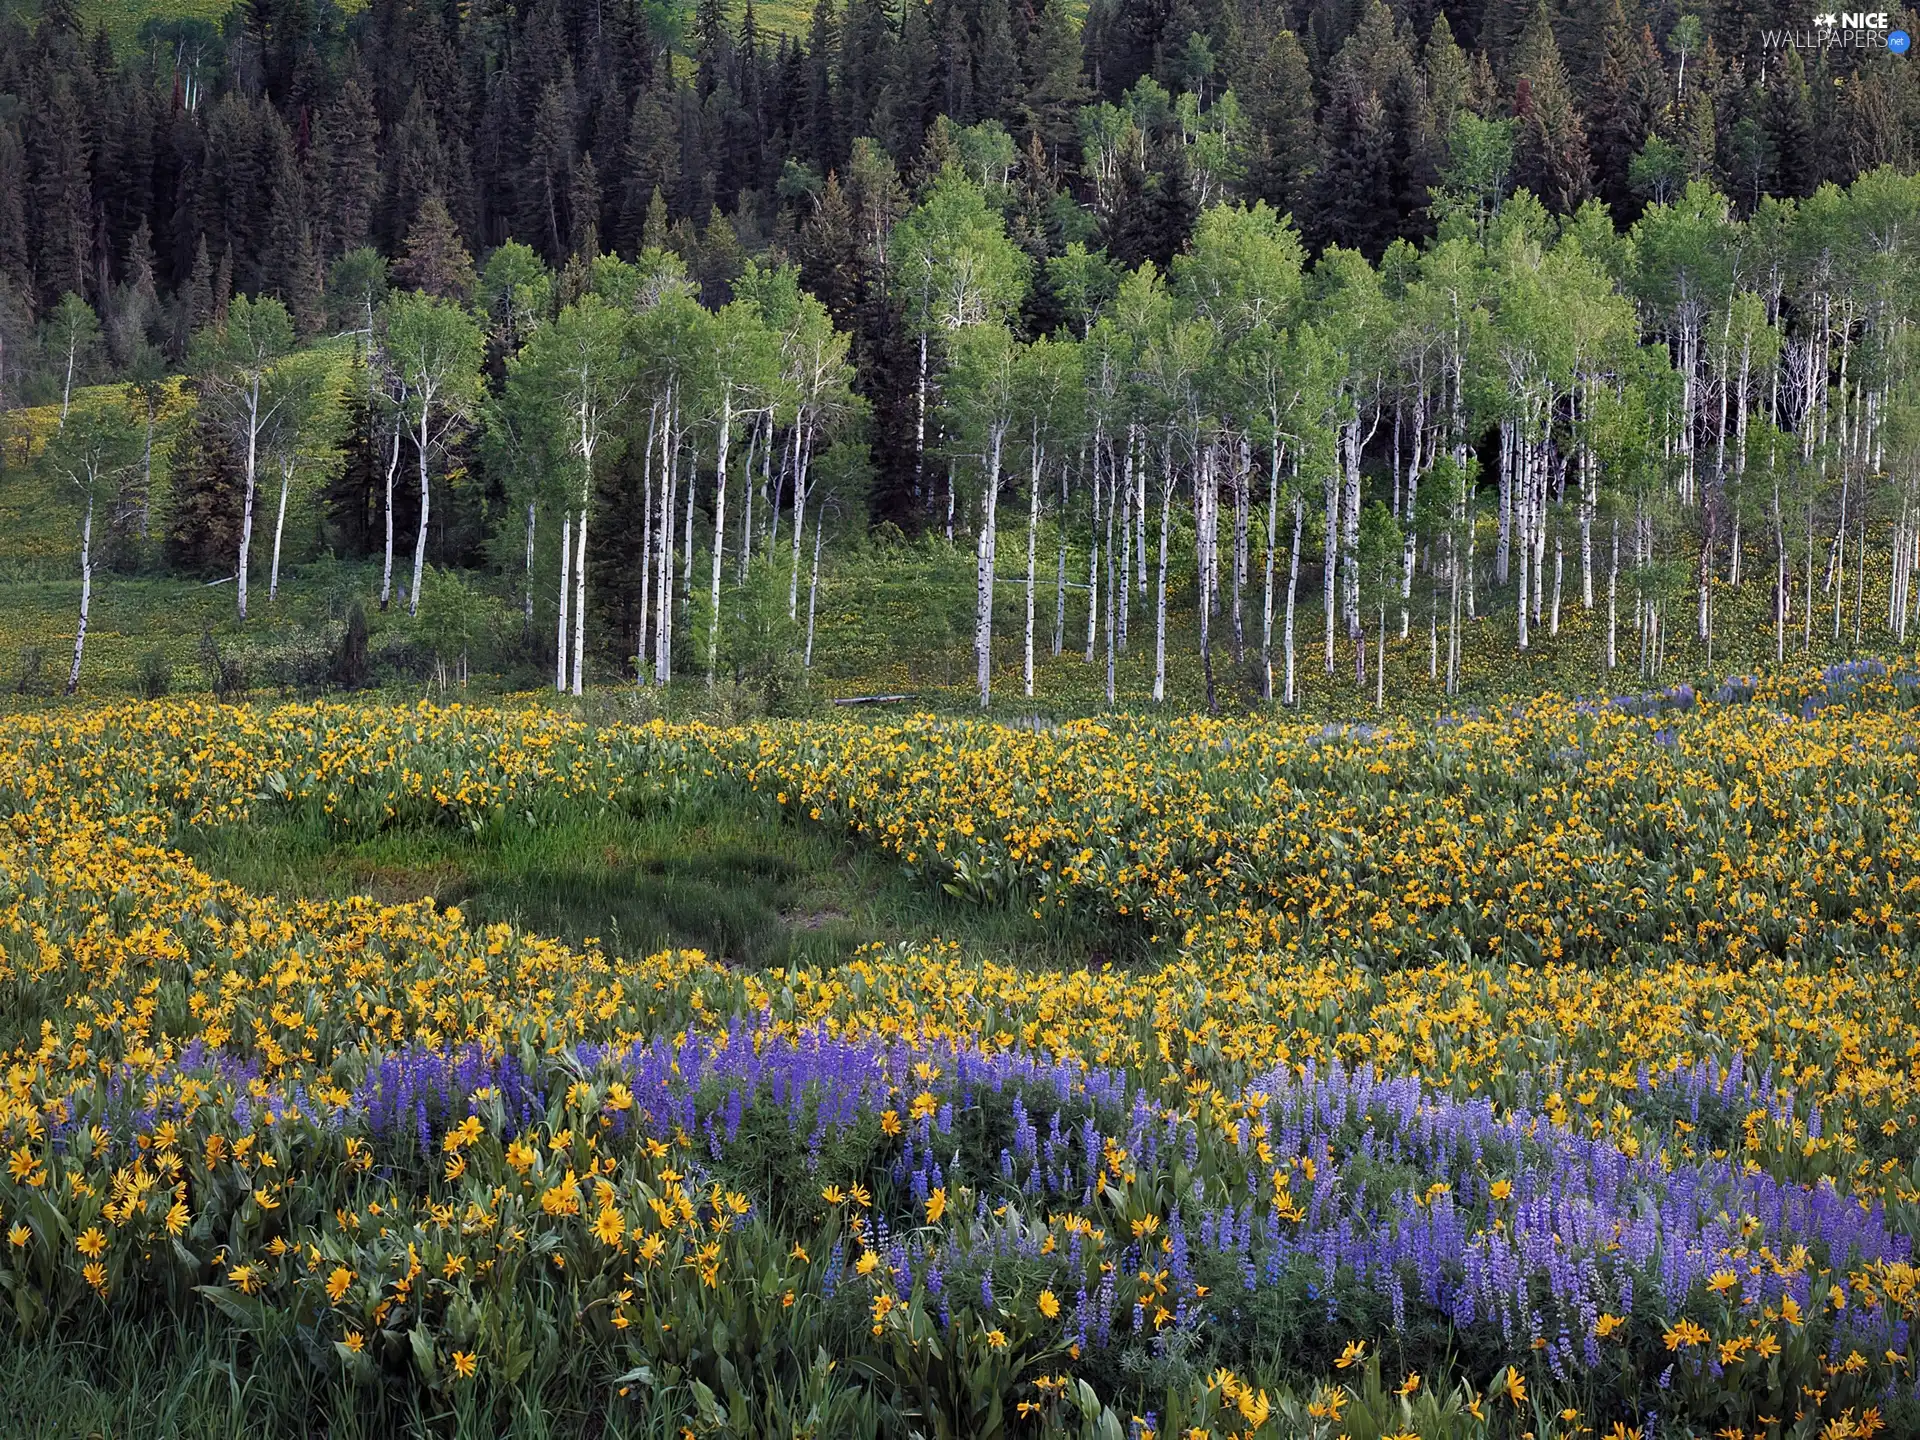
(207, 1382)
(725, 875)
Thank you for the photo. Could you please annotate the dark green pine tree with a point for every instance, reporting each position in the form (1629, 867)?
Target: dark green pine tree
(193, 305)
(353, 183)
(1372, 183)
(1450, 82)
(1050, 63)
(16, 246)
(436, 261)
(204, 498)
(1630, 104)
(954, 68)
(234, 195)
(901, 117)
(1551, 156)
(829, 254)
(866, 63)
(356, 491)
(825, 145)
(61, 211)
(999, 91)
(583, 208)
(1282, 143)
(1789, 122)
(652, 158)
(712, 47)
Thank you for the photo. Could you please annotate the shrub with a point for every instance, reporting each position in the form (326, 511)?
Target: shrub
(153, 677)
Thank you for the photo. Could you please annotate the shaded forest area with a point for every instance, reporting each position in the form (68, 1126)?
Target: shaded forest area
(155, 183)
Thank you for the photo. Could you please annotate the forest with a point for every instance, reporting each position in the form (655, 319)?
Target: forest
(626, 320)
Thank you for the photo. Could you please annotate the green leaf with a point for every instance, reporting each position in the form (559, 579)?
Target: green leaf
(249, 1312)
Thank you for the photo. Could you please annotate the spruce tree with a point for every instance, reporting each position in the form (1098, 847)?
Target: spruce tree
(1551, 156)
(436, 262)
(203, 499)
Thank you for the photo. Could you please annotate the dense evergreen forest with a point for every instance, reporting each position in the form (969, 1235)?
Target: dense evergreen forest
(1342, 278)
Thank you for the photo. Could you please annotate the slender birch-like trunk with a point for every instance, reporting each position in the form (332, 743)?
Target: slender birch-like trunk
(580, 604)
(1266, 579)
(1060, 570)
(420, 540)
(86, 594)
(386, 565)
(1293, 586)
(1160, 608)
(527, 607)
(1033, 540)
(566, 596)
(252, 479)
(719, 531)
(279, 529)
(984, 569)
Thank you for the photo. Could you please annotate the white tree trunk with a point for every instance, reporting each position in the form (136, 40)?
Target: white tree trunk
(532, 514)
(1293, 586)
(1160, 600)
(801, 459)
(719, 531)
(279, 528)
(420, 540)
(1266, 583)
(86, 594)
(252, 477)
(580, 604)
(1033, 541)
(1613, 601)
(984, 569)
(386, 565)
(566, 596)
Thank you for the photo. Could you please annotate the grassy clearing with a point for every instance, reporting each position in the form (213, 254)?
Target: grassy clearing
(724, 875)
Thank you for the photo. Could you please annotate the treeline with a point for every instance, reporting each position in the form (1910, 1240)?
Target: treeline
(246, 160)
(1529, 411)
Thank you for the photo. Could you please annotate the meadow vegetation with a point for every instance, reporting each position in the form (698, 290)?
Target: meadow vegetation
(1545, 1067)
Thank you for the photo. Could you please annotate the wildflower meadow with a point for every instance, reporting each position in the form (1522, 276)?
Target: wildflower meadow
(1550, 1069)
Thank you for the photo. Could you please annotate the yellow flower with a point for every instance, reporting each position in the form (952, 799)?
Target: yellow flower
(464, 1364)
(95, 1274)
(1607, 1324)
(92, 1243)
(936, 1205)
(996, 1339)
(1049, 1305)
(1685, 1334)
(338, 1283)
(1515, 1386)
(1355, 1352)
(18, 1236)
(867, 1263)
(609, 1226)
(1409, 1385)
(834, 1195)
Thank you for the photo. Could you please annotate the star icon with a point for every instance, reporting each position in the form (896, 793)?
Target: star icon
(1826, 21)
